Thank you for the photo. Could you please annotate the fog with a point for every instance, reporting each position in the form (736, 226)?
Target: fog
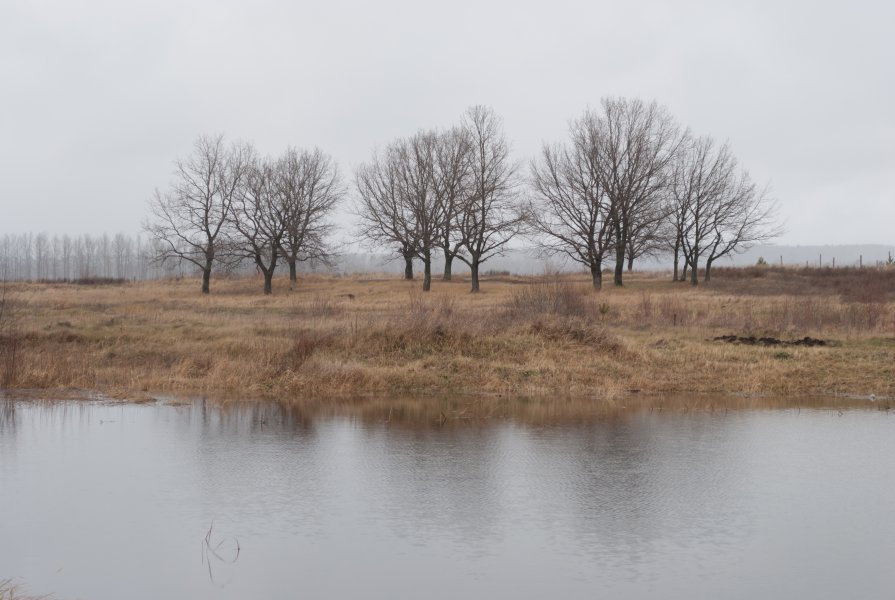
(98, 98)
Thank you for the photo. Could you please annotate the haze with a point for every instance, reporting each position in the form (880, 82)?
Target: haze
(98, 98)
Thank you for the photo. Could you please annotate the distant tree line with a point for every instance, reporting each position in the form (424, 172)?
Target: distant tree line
(41, 256)
(629, 182)
(45, 257)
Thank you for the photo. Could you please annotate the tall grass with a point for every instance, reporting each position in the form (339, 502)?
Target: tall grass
(11, 338)
(551, 295)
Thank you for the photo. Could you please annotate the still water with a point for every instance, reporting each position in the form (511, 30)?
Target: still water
(102, 501)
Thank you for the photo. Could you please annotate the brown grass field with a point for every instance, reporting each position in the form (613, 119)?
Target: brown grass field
(336, 338)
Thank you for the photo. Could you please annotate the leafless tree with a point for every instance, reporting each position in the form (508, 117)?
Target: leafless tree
(450, 183)
(311, 186)
(124, 250)
(415, 159)
(85, 254)
(570, 211)
(384, 215)
(188, 221)
(56, 250)
(677, 223)
(637, 142)
(752, 219)
(42, 255)
(104, 248)
(648, 233)
(718, 208)
(398, 201)
(259, 218)
(491, 215)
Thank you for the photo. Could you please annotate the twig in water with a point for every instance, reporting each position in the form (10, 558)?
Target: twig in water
(211, 550)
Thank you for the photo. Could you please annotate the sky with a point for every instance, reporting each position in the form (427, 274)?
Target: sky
(97, 99)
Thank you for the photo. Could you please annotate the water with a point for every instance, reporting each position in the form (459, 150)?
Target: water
(105, 501)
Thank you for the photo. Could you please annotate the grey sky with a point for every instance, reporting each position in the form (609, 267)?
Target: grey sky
(98, 98)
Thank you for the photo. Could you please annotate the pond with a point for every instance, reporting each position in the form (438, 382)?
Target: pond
(107, 501)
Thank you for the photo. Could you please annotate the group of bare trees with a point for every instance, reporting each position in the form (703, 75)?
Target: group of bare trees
(716, 208)
(228, 205)
(451, 191)
(631, 182)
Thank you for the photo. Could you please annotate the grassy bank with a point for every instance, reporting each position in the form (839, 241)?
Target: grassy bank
(350, 336)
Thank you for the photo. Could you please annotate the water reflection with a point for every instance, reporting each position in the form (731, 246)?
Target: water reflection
(7, 416)
(447, 498)
(440, 412)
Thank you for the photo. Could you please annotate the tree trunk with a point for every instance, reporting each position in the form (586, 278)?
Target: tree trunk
(206, 279)
(474, 270)
(427, 274)
(694, 273)
(708, 271)
(630, 264)
(619, 264)
(596, 275)
(408, 267)
(268, 282)
(677, 252)
(448, 260)
(293, 276)
(685, 270)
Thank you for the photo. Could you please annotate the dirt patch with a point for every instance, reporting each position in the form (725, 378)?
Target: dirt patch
(770, 341)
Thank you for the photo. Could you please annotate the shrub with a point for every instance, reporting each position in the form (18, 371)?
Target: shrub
(551, 297)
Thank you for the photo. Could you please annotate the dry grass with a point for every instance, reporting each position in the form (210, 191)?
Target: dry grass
(11, 338)
(369, 336)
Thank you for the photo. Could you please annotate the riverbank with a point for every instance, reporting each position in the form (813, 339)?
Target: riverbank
(522, 336)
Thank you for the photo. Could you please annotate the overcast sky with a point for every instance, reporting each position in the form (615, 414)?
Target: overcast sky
(98, 98)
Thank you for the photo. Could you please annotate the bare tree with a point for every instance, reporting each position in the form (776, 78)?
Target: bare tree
(25, 255)
(491, 215)
(450, 184)
(124, 251)
(570, 211)
(399, 203)
(751, 218)
(188, 221)
(56, 249)
(637, 143)
(68, 249)
(42, 255)
(385, 217)
(718, 209)
(648, 233)
(311, 186)
(259, 219)
(701, 175)
(85, 252)
(415, 159)
(677, 224)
